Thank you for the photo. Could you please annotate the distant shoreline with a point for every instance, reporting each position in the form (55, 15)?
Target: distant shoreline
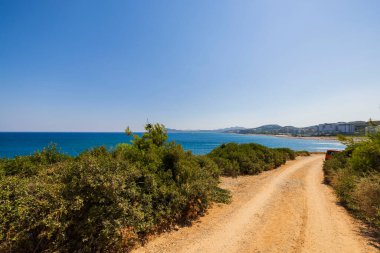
(330, 138)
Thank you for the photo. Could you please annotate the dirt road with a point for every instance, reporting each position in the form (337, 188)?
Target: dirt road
(284, 210)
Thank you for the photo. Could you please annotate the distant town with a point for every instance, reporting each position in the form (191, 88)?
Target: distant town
(357, 128)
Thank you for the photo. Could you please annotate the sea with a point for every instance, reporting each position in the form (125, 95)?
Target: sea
(15, 144)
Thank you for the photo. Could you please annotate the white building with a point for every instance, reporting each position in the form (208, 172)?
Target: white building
(346, 128)
(336, 128)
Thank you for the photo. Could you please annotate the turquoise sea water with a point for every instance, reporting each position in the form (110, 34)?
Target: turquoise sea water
(13, 144)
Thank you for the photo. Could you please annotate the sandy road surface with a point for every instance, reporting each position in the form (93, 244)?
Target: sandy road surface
(284, 210)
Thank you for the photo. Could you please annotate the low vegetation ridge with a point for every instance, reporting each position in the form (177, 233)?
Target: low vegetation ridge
(101, 200)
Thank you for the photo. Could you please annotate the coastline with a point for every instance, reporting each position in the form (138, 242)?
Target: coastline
(331, 138)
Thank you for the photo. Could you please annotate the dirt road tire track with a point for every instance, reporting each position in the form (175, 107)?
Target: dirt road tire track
(284, 210)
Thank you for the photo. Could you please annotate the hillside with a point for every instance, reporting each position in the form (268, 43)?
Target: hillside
(276, 129)
(221, 130)
(359, 127)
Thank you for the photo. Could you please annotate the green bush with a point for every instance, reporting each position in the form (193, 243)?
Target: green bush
(248, 159)
(366, 157)
(302, 153)
(30, 209)
(290, 154)
(228, 167)
(355, 175)
(367, 196)
(103, 201)
(331, 166)
(30, 165)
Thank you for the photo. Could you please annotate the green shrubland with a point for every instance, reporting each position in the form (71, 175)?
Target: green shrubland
(106, 201)
(355, 175)
(249, 159)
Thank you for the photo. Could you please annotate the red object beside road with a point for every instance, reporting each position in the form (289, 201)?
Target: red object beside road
(330, 153)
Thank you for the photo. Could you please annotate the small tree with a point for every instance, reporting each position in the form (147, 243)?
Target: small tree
(155, 134)
(371, 123)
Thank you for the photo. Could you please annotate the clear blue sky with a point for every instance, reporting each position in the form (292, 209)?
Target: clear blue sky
(102, 65)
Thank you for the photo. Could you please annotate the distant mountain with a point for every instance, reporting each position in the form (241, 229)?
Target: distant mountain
(230, 129)
(269, 129)
(221, 130)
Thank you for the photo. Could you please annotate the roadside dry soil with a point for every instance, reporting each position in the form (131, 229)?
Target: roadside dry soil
(283, 210)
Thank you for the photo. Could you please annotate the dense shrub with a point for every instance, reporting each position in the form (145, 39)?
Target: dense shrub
(331, 166)
(227, 167)
(367, 196)
(355, 175)
(30, 165)
(290, 154)
(102, 201)
(302, 153)
(248, 159)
